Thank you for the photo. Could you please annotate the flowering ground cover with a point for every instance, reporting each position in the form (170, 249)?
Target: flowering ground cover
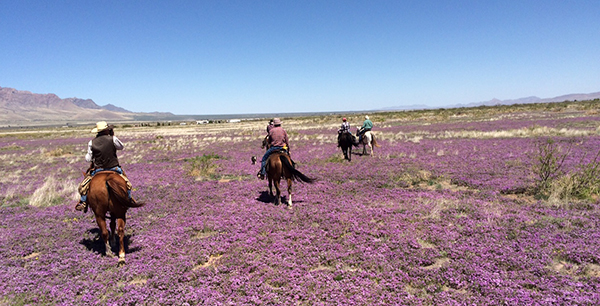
(432, 219)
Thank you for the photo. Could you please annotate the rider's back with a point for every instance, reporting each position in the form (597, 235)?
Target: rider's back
(104, 152)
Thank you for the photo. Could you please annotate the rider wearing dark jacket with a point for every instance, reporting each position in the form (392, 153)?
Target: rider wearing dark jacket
(102, 153)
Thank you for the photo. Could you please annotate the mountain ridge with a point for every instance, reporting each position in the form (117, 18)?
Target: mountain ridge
(20, 107)
(494, 101)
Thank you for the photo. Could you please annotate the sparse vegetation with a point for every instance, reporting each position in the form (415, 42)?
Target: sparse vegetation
(204, 166)
(558, 185)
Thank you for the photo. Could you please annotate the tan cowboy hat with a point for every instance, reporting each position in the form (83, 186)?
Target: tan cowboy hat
(367, 117)
(276, 121)
(100, 126)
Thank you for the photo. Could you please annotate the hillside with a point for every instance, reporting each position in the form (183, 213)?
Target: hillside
(19, 107)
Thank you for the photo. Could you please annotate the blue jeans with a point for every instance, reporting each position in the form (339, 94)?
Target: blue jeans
(116, 169)
(263, 162)
(361, 133)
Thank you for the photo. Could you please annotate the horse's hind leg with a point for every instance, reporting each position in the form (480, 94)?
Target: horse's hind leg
(101, 221)
(278, 192)
(289, 187)
(113, 226)
(121, 234)
(270, 187)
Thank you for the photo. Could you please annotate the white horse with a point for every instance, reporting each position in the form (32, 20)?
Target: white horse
(368, 139)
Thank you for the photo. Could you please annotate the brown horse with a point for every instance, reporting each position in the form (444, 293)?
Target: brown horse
(280, 165)
(265, 143)
(108, 193)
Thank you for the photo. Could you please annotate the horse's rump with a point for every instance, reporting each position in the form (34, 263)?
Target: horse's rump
(374, 140)
(296, 175)
(346, 139)
(115, 185)
(370, 137)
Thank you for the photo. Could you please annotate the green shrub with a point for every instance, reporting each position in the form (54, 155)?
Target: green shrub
(557, 186)
(548, 164)
(204, 166)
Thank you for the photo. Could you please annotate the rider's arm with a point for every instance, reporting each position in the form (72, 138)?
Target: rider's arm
(88, 155)
(285, 139)
(118, 143)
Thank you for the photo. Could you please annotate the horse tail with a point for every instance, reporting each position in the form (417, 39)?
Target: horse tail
(119, 190)
(296, 175)
(373, 141)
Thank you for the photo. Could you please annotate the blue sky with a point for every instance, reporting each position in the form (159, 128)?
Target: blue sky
(233, 57)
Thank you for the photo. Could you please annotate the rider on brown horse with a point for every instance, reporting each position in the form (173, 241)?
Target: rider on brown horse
(278, 139)
(102, 153)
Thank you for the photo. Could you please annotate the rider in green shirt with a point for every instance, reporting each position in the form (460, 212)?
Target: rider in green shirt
(367, 126)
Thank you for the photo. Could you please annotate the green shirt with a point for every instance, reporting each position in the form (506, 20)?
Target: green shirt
(367, 124)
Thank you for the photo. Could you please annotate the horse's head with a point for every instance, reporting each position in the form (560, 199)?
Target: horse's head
(265, 143)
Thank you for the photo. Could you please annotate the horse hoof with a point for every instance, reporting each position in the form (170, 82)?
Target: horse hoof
(121, 262)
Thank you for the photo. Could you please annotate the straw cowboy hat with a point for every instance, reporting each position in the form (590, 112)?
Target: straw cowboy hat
(276, 121)
(101, 126)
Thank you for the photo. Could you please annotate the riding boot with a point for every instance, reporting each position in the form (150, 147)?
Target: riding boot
(81, 206)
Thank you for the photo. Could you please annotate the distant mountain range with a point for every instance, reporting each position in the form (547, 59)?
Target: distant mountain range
(25, 108)
(493, 102)
(534, 99)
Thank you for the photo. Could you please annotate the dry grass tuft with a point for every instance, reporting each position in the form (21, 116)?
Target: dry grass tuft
(53, 192)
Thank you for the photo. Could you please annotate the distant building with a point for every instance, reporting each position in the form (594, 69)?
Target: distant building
(202, 122)
(234, 120)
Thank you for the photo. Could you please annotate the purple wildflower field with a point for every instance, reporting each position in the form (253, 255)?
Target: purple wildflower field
(433, 218)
